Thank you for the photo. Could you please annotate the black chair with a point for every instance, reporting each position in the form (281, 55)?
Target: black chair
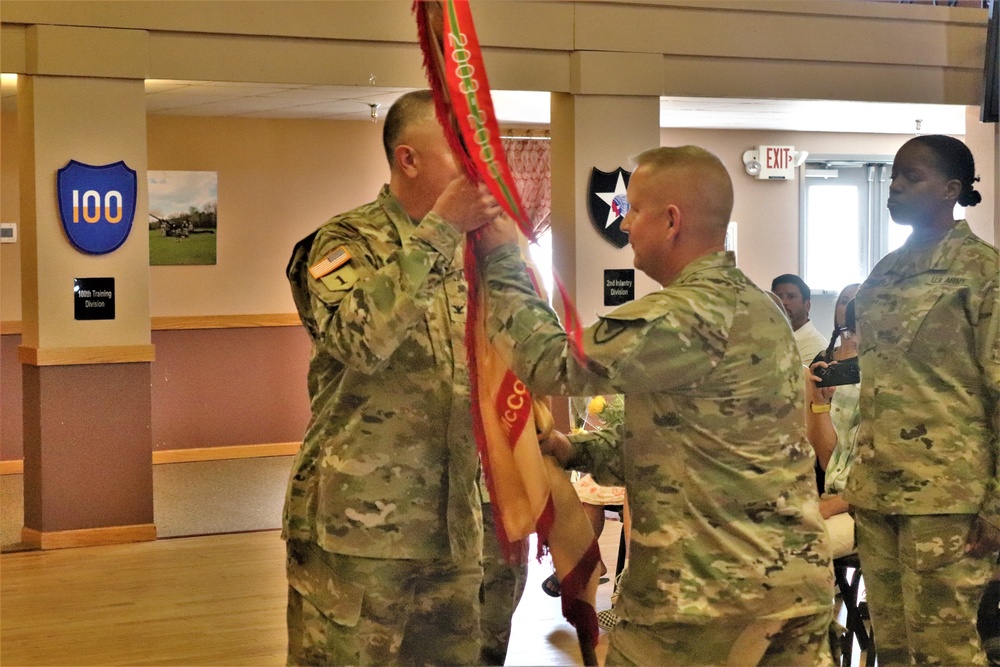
(847, 573)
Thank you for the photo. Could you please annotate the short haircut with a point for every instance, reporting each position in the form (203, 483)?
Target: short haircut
(408, 109)
(717, 197)
(791, 278)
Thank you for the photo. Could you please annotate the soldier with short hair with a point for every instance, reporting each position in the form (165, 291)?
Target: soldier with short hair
(382, 515)
(729, 562)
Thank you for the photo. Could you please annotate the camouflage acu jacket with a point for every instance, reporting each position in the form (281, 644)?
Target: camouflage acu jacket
(388, 465)
(713, 453)
(928, 319)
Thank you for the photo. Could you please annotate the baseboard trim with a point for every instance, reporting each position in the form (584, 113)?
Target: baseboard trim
(224, 321)
(88, 537)
(224, 453)
(16, 466)
(12, 467)
(84, 356)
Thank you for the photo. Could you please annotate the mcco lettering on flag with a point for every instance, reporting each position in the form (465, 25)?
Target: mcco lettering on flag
(330, 263)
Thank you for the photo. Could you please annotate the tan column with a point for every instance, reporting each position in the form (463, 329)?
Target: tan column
(87, 406)
(593, 128)
(983, 139)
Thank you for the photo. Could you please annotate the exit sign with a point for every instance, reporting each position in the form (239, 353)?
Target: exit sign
(777, 162)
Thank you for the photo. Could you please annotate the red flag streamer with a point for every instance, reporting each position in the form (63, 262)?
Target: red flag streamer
(528, 493)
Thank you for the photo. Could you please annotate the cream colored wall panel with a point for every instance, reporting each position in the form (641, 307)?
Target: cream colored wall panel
(12, 50)
(565, 206)
(723, 77)
(526, 25)
(326, 19)
(600, 73)
(98, 122)
(278, 181)
(535, 25)
(766, 34)
(865, 8)
(27, 284)
(10, 203)
(604, 132)
(284, 60)
(980, 138)
(95, 52)
(511, 69)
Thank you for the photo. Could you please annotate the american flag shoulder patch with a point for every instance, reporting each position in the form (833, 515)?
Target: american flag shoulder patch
(330, 263)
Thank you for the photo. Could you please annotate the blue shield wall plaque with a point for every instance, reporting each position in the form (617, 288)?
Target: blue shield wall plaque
(97, 205)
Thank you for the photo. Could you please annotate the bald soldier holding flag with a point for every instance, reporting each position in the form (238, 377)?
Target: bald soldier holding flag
(729, 557)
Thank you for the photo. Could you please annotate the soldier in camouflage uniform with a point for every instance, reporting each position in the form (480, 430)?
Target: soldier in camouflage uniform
(382, 514)
(729, 562)
(924, 483)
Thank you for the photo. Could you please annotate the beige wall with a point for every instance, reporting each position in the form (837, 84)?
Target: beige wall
(10, 202)
(280, 179)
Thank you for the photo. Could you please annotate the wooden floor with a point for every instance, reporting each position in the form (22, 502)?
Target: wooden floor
(213, 600)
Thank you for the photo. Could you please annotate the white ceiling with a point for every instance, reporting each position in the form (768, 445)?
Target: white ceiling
(519, 108)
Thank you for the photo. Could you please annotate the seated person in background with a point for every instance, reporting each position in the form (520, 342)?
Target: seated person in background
(841, 346)
(838, 351)
(831, 425)
(598, 412)
(796, 298)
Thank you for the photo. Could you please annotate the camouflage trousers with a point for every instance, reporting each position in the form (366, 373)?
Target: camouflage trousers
(923, 591)
(347, 610)
(729, 642)
(502, 587)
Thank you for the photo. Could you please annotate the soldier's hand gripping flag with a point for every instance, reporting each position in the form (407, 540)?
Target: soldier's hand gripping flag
(528, 492)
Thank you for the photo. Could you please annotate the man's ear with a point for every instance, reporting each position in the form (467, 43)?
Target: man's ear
(808, 304)
(406, 160)
(672, 214)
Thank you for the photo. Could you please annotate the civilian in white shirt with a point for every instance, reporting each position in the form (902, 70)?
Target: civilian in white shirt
(796, 299)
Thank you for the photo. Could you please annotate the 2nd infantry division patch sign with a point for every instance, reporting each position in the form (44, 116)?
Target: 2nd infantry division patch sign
(608, 204)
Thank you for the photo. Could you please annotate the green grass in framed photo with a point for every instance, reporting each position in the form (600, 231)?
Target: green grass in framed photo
(183, 217)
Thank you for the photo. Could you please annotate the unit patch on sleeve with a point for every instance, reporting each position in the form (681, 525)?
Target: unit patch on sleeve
(330, 263)
(340, 280)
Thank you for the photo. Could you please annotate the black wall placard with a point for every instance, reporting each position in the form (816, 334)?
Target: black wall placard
(94, 298)
(619, 286)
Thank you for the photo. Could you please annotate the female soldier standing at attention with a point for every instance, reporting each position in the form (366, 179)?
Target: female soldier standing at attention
(924, 484)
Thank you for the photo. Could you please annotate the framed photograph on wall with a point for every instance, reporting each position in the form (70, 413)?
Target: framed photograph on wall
(183, 217)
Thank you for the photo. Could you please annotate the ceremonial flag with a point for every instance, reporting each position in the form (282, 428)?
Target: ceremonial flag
(528, 492)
